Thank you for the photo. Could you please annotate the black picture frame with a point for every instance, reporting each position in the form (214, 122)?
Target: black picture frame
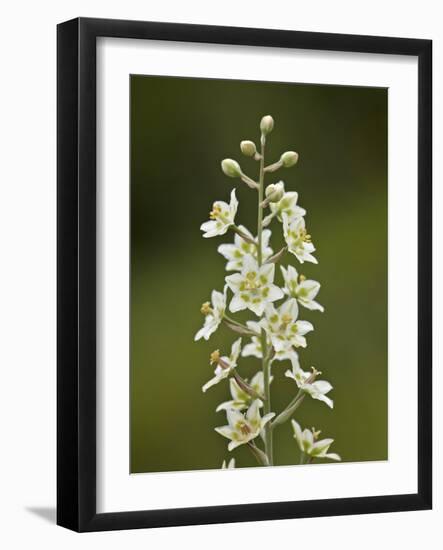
(76, 266)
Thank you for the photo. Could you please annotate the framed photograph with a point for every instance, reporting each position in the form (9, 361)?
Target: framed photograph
(244, 274)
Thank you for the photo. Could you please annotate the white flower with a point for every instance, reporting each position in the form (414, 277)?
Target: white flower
(240, 399)
(283, 328)
(304, 290)
(305, 382)
(230, 465)
(221, 217)
(308, 444)
(243, 428)
(235, 253)
(225, 365)
(253, 288)
(214, 314)
(254, 347)
(285, 206)
(298, 241)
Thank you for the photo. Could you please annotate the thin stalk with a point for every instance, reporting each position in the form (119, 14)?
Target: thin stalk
(242, 329)
(260, 456)
(289, 411)
(266, 364)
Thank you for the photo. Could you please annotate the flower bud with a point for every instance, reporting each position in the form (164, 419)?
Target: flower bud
(231, 168)
(248, 148)
(289, 158)
(275, 191)
(266, 124)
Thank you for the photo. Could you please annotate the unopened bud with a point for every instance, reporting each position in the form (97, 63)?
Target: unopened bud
(248, 148)
(231, 168)
(266, 124)
(289, 158)
(275, 191)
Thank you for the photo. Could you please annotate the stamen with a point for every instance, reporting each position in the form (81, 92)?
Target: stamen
(206, 308)
(244, 428)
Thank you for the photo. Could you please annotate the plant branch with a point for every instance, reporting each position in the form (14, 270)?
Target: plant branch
(289, 411)
(273, 167)
(243, 235)
(249, 182)
(277, 256)
(238, 327)
(261, 457)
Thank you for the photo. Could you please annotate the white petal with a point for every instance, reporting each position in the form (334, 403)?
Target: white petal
(209, 327)
(235, 351)
(253, 414)
(311, 305)
(303, 327)
(234, 444)
(234, 281)
(249, 264)
(308, 440)
(257, 381)
(218, 300)
(325, 399)
(297, 432)
(267, 271)
(265, 238)
(233, 204)
(275, 293)
(210, 229)
(237, 393)
(257, 308)
(321, 447)
(290, 308)
(231, 405)
(228, 251)
(237, 304)
(211, 383)
(308, 289)
(225, 431)
(234, 417)
(252, 349)
(322, 386)
(332, 456)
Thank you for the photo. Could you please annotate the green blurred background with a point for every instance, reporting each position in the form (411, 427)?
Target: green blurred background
(181, 128)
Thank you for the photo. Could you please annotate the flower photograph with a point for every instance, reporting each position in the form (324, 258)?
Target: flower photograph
(258, 287)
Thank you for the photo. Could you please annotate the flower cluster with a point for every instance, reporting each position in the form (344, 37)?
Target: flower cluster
(277, 331)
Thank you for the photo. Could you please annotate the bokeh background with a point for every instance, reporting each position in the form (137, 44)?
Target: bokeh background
(180, 131)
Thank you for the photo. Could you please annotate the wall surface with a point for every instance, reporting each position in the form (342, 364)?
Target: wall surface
(27, 290)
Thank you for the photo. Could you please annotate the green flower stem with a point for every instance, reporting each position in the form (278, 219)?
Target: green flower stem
(274, 167)
(260, 456)
(238, 327)
(243, 235)
(249, 182)
(289, 411)
(295, 403)
(266, 364)
(277, 257)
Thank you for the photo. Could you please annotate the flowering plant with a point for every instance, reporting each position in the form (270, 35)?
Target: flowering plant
(276, 332)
